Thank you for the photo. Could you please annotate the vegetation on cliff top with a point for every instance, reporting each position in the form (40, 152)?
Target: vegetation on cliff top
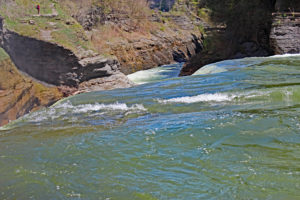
(53, 24)
(119, 27)
(3, 55)
(63, 22)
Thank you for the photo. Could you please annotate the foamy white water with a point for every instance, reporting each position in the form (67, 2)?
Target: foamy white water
(142, 77)
(67, 108)
(155, 74)
(210, 69)
(200, 98)
(97, 106)
(285, 55)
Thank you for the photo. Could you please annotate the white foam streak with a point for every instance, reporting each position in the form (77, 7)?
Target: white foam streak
(145, 76)
(83, 108)
(210, 69)
(155, 74)
(201, 98)
(285, 55)
(67, 108)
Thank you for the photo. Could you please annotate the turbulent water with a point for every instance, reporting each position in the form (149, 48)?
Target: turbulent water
(156, 74)
(230, 132)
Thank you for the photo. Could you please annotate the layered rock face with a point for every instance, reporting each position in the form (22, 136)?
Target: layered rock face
(285, 33)
(54, 64)
(37, 73)
(260, 33)
(177, 41)
(161, 47)
(20, 94)
(157, 50)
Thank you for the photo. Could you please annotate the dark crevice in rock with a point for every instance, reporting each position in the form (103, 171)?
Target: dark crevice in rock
(179, 56)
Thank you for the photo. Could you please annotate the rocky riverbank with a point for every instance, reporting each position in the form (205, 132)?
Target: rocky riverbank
(51, 56)
(37, 73)
(20, 94)
(146, 42)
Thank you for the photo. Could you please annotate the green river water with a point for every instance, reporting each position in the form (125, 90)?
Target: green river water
(231, 131)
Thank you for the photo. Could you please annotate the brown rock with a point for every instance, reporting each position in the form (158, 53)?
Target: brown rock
(19, 94)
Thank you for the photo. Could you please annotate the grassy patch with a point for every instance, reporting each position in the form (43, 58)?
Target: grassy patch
(3, 55)
(25, 22)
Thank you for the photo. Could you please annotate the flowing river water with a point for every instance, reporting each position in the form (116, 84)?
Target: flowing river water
(231, 131)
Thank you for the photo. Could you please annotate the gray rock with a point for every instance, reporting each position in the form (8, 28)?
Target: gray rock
(285, 33)
(53, 64)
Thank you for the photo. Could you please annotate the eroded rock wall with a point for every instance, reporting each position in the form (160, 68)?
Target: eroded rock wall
(285, 33)
(54, 64)
(178, 43)
(174, 38)
(158, 50)
(44, 61)
(20, 94)
(254, 31)
(37, 73)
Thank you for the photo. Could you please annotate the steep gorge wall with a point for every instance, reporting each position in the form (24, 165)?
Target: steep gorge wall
(170, 38)
(37, 73)
(44, 61)
(54, 64)
(270, 27)
(285, 33)
(158, 50)
(20, 94)
(285, 30)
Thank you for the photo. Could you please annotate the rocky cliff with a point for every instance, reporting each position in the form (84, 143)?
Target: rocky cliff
(19, 94)
(37, 73)
(176, 44)
(61, 52)
(285, 33)
(253, 28)
(143, 42)
(54, 64)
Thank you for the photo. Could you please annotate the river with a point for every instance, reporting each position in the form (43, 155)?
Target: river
(231, 131)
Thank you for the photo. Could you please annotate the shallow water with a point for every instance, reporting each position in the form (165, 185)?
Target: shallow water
(228, 135)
